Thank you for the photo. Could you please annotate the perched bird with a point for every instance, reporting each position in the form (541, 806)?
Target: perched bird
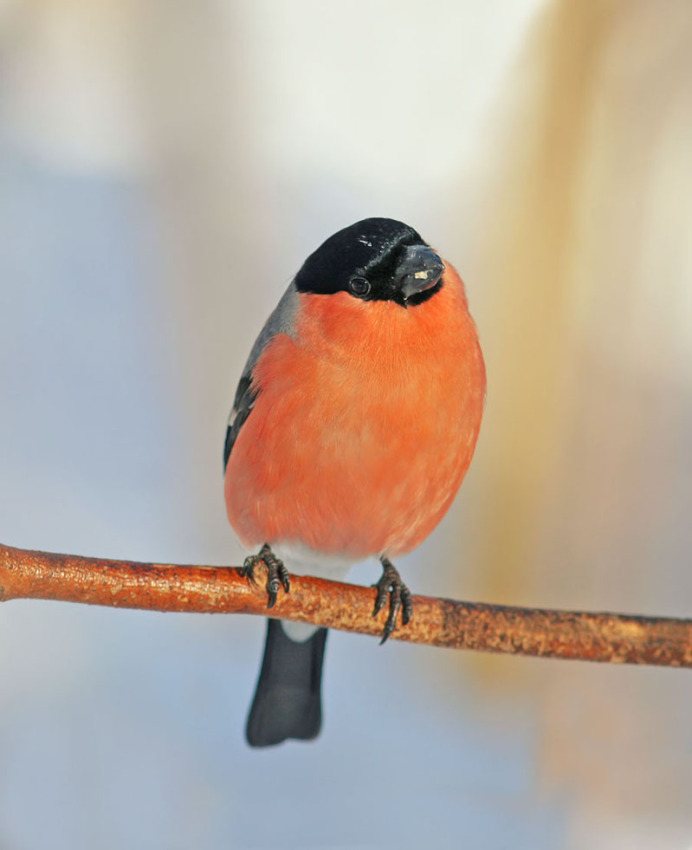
(353, 425)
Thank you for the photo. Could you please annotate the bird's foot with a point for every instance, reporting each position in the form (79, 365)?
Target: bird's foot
(277, 574)
(391, 585)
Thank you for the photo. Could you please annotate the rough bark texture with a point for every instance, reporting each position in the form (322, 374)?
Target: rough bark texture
(614, 638)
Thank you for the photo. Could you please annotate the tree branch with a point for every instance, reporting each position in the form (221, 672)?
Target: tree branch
(613, 638)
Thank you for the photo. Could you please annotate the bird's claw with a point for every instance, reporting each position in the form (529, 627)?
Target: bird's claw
(277, 574)
(391, 585)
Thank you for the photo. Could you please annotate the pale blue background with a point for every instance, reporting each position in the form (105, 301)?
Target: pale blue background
(164, 169)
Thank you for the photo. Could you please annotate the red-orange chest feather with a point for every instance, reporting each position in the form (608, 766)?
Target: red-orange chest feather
(364, 425)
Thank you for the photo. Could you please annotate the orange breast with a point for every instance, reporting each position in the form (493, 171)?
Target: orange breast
(364, 426)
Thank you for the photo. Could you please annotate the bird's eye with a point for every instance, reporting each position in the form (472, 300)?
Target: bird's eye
(359, 286)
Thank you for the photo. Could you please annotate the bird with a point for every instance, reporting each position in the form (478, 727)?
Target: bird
(354, 422)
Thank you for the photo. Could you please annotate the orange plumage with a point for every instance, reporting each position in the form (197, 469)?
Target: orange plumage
(364, 425)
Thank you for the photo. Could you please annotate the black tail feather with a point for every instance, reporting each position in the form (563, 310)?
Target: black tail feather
(288, 699)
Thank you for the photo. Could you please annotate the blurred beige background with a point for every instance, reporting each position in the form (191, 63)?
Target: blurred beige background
(165, 167)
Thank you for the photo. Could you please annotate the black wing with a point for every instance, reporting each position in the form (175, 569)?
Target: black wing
(245, 397)
(280, 321)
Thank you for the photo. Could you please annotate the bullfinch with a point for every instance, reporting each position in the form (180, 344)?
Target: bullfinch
(353, 425)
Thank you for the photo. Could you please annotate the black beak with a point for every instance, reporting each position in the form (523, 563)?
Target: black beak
(419, 269)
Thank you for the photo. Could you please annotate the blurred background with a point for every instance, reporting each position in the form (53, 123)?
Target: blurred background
(165, 167)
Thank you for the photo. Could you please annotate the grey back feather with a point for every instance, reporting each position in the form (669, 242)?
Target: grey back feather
(281, 321)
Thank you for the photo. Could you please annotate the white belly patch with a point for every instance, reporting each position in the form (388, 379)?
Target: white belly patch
(303, 561)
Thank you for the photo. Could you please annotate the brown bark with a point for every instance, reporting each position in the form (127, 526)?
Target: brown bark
(607, 637)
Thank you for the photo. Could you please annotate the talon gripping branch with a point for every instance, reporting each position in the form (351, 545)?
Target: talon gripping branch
(353, 425)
